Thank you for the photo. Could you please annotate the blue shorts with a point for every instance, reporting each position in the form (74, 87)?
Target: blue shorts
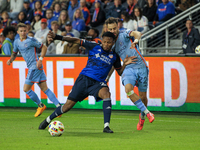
(138, 77)
(35, 76)
(85, 86)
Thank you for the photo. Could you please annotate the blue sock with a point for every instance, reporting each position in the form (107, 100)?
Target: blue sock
(55, 114)
(140, 105)
(142, 113)
(52, 96)
(107, 110)
(33, 97)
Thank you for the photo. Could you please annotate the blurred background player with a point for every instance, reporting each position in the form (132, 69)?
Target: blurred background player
(9, 34)
(91, 80)
(133, 72)
(26, 46)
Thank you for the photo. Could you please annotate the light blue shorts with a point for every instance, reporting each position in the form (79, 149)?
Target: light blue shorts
(138, 77)
(35, 76)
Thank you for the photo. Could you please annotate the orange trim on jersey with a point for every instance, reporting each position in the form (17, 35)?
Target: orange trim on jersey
(118, 68)
(41, 46)
(88, 19)
(81, 42)
(139, 54)
(35, 54)
(43, 80)
(15, 52)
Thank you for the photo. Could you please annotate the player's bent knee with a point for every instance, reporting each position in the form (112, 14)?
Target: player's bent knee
(130, 93)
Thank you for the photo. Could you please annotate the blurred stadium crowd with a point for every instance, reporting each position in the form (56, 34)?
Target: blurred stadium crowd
(81, 18)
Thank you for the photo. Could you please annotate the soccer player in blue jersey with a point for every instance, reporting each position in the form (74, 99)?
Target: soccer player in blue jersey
(91, 80)
(27, 47)
(134, 74)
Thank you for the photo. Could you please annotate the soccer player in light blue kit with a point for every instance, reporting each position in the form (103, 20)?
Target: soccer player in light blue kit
(134, 74)
(27, 47)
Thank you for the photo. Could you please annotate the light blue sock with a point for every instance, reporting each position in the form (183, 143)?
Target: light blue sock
(33, 97)
(142, 115)
(140, 105)
(52, 97)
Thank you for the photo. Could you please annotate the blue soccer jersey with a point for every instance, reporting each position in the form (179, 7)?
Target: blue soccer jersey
(99, 61)
(27, 48)
(163, 10)
(122, 48)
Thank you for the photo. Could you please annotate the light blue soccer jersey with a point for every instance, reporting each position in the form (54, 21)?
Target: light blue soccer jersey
(122, 48)
(27, 48)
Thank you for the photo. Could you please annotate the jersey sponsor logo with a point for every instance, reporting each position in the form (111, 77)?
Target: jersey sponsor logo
(103, 84)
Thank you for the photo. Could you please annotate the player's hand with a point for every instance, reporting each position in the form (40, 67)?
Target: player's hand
(134, 44)
(51, 35)
(8, 62)
(39, 64)
(130, 60)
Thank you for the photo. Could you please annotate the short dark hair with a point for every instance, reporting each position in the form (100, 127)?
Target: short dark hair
(96, 31)
(7, 30)
(109, 34)
(111, 20)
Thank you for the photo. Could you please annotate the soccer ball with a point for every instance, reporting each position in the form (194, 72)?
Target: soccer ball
(197, 50)
(56, 128)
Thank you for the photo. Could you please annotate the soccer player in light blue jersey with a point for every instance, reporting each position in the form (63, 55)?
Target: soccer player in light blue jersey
(91, 80)
(134, 74)
(27, 47)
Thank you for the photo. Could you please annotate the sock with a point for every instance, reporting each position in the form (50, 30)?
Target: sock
(106, 124)
(55, 114)
(33, 97)
(52, 96)
(41, 105)
(107, 110)
(141, 106)
(142, 115)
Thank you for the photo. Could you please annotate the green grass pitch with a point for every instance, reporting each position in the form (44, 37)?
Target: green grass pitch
(83, 131)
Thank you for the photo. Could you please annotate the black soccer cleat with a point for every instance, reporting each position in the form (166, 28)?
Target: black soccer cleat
(107, 130)
(43, 125)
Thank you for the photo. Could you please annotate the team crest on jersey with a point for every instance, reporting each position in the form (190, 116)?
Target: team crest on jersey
(120, 43)
(25, 45)
(110, 55)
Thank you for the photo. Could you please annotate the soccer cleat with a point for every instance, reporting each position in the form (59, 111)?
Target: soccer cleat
(43, 125)
(150, 116)
(107, 130)
(39, 111)
(140, 123)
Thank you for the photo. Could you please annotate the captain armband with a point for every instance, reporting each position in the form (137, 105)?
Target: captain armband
(130, 93)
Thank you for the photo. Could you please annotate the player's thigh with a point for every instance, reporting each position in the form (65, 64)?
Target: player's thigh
(104, 93)
(79, 90)
(129, 77)
(142, 79)
(96, 87)
(27, 87)
(43, 86)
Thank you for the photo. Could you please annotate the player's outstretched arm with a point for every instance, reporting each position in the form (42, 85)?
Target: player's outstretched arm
(109, 74)
(127, 61)
(12, 58)
(136, 34)
(63, 38)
